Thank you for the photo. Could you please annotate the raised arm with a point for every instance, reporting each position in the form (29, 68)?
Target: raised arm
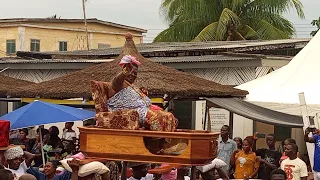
(28, 158)
(307, 138)
(117, 82)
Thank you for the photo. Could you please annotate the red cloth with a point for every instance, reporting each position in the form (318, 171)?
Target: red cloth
(4, 133)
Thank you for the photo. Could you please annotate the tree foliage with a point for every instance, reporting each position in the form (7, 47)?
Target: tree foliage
(209, 20)
(317, 24)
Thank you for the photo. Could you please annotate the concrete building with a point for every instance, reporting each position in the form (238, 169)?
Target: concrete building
(48, 34)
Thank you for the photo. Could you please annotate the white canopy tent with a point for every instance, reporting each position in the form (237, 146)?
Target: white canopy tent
(279, 90)
(283, 85)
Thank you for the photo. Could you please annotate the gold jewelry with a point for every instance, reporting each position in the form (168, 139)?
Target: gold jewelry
(125, 72)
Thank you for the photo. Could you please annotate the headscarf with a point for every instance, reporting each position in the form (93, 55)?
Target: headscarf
(172, 175)
(128, 59)
(13, 153)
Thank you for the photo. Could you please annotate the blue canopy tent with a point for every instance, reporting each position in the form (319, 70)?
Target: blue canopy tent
(39, 113)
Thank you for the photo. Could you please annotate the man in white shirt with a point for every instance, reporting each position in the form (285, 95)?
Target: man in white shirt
(294, 167)
(18, 161)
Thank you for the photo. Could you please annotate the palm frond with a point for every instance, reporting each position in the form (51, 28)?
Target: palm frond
(208, 33)
(227, 19)
(181, 32)
(248, 32)
(267, 31)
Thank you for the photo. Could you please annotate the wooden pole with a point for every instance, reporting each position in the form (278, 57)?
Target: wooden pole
(85, 22)
(193, 173)
(209, 120)
(306, 124)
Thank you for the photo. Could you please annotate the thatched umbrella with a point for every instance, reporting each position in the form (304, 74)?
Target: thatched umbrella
(9, 83)
(158, 79)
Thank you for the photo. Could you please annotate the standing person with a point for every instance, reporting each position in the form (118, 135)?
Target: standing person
(244, 161)
(270, 158)
(68, 135)
(238, 140)
(316, 140)
(285, 143)
(294, 167)
(226, 147)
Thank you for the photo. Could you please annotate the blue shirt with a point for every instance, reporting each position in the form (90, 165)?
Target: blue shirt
(66, 175)
(316, 166)
(225, 151)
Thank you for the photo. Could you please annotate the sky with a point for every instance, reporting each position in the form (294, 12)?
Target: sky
(139, 13)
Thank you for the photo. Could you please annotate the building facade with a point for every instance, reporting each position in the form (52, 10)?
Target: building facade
(40, 35)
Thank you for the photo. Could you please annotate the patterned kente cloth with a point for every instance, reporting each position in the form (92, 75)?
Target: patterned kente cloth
(159, 120)
(128, 98)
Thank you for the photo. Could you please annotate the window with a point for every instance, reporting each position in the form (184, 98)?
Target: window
(282, 132)
(103, 46)
(35, 45)
(11, 46)
(63, 46)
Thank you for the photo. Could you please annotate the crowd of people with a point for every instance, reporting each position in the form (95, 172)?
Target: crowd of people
(245, 161)
(237, 159)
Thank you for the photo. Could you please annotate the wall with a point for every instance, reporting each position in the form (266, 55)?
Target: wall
(113, 40)
(242, 127)
(7, 34)
(49, 41)
(265, 129)
(91, 26)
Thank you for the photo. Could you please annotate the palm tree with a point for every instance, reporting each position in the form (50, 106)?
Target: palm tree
(209, 20)
(317, 24)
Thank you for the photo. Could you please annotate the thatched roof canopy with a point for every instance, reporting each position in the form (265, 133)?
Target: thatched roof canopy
(158, 79)
(8, 83)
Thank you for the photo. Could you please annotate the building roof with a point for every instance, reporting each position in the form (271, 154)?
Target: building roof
(9, 83)
(206, 58)
(53, 20)
(158, 79)
(176, 49)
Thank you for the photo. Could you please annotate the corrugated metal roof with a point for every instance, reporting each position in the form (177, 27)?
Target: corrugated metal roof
(182, 47)
(208, 58)
(36, 61)
(179, 59)
(57, 20)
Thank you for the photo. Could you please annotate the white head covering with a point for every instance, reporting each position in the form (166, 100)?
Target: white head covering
(216, 163)
(13, 153)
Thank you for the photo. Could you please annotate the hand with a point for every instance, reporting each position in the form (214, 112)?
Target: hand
(255, 137)
(259, 159)
(127, 69)
(236, 151)
(307, 131)
(74, 164)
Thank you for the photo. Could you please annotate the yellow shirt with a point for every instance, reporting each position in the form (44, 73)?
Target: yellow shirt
(245, 164)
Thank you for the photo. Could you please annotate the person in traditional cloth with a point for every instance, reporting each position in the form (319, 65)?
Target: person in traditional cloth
(18, 160)
(124, 95)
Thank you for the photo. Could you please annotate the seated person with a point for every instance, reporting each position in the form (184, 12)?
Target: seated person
(123, 95)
